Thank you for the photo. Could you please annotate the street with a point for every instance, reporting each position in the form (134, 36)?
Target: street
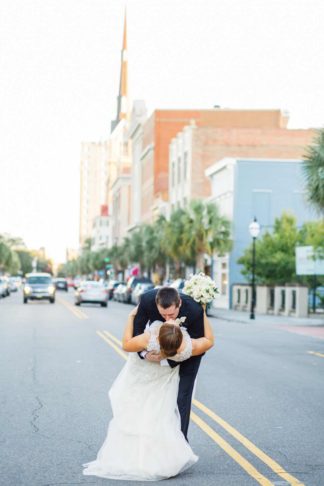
(257, 414)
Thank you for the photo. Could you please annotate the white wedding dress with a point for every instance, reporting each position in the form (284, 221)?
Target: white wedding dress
(144, 441)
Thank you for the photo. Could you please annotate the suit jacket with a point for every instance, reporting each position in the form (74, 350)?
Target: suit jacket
(194, 323)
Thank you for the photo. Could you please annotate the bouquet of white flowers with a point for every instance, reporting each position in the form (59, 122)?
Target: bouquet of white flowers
(201, 288)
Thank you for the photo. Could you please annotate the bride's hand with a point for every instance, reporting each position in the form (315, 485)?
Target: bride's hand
(153, 357)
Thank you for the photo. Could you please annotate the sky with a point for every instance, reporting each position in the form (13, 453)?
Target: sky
(59, 78)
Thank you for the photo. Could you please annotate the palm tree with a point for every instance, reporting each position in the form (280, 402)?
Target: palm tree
(173, 241)
(136, 248)
(9, 261)
(313, 169)
(205, 232)
(158, 253)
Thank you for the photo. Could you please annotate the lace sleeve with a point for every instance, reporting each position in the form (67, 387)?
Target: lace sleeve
(187, 351)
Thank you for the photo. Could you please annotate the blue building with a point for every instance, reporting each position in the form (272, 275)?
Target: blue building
(246, 188)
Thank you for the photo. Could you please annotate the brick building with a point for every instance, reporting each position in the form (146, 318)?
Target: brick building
(196, 148)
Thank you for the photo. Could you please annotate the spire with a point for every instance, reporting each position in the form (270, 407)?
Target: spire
(122, 98)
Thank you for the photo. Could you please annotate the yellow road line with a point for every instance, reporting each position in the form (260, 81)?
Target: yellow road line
(77, 312)
(116, 348)
(246, 465)
(279, 470)
(113, 338)
(316, 354)
(249, 445)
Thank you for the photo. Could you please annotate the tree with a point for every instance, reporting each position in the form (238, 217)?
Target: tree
(25, 260)
(275, 262)
(205, 232)
(157, 257)
(9, 261)
(135, 247)
(313, 235)
(173, 240)
(313, 168)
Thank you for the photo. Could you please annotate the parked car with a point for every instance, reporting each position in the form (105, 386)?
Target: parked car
(111, 286)
(14, 283)
(91, 292)
(131, 284)
(119, 290)
(61, 284)
(139, 290)
(39, 286)
(3, 287)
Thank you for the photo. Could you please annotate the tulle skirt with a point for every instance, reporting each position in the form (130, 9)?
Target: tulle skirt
(144, 441)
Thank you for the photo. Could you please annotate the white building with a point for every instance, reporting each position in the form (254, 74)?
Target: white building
(101, 230)
(93, 180)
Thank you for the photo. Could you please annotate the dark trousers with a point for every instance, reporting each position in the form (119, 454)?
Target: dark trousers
(188, 373)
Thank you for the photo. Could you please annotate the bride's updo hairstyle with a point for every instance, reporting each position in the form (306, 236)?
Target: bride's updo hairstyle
(170, 339)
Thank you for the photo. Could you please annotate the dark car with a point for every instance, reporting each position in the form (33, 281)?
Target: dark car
(61, 284)
(131, 284)
(39, 286)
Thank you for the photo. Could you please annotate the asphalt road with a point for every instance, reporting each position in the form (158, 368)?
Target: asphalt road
(258, 412)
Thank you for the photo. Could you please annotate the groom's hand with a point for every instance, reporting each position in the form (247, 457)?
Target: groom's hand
(153, 357)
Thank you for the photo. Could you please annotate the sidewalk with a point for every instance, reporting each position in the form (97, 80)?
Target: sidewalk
(244, 318)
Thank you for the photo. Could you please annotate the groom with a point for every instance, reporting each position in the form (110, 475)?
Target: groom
(162, 305)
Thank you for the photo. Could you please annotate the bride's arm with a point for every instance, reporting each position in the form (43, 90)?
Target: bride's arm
(137, 343)
(201, 345)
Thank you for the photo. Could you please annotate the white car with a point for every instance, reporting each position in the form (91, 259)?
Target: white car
(92, 292)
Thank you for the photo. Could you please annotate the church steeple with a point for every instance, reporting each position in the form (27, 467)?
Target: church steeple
(122, 98)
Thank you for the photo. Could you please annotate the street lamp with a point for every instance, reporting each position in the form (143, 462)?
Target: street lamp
(254, 229)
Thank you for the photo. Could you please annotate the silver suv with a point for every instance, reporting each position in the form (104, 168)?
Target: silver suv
(39, 286)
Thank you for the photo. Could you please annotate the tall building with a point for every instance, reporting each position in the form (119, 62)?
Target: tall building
(93, 176)
(101, 231)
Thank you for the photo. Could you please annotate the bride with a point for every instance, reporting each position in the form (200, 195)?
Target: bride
(144, 440)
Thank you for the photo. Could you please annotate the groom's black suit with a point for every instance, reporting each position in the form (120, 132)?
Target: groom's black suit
(148, 312)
